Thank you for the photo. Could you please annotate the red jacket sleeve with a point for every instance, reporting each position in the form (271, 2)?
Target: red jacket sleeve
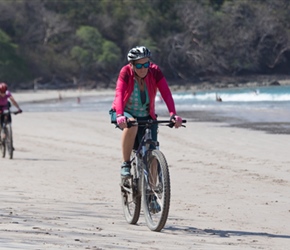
(166, 95)
(122, 89)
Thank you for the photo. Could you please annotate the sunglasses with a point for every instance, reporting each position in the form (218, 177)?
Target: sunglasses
(140, 65)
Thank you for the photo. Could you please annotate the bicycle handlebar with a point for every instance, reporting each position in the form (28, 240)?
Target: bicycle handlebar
(10, 112)
(16, 112)
(149, 122)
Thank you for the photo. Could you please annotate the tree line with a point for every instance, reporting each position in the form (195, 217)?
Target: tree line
(85, 42)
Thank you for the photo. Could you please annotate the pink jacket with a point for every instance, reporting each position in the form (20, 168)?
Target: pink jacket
(4, 100)
(154, 80)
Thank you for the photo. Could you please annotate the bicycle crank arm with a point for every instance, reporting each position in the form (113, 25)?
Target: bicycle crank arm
(126, 189)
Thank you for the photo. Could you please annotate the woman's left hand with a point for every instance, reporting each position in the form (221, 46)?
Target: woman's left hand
(177, 120)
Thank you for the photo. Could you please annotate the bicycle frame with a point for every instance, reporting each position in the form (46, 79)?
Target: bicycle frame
(146, 141)
(143, 147)
(6, 118)
(140, 156)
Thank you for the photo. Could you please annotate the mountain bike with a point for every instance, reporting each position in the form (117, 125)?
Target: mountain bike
(149, 182)
(6, 137)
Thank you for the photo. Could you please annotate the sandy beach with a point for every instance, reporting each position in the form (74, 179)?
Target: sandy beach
(229, 186)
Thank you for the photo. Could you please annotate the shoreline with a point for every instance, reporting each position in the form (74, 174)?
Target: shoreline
(223, 82)
(202, 116)
(28, 96)
(198, 84)
(50, 96)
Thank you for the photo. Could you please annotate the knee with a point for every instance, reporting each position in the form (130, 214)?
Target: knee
(130, 131)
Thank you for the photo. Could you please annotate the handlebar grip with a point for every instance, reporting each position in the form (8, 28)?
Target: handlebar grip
(17, 112)
(129, 123)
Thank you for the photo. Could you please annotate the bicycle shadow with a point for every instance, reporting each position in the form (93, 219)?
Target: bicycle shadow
(35, 159)
(222, 233)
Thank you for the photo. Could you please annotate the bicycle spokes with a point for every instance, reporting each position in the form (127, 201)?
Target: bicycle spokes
(156, 194)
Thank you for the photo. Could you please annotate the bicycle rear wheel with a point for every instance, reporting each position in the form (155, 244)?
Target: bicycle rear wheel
(156, 191)
(9, 140)
(131, 196)
(3, 142)
(3, 148)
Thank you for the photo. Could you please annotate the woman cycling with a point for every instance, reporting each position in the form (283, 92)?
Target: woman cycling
(135, 94)
(4, 103)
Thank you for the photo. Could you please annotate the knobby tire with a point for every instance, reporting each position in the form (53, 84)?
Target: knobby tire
(3, 144)
(156, 221)
(9, 140)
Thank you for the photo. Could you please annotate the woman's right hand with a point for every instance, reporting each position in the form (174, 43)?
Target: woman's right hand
(122, 121)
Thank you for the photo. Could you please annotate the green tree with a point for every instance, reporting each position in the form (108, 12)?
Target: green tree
(12, 67)
(94, 52)
(110, 55)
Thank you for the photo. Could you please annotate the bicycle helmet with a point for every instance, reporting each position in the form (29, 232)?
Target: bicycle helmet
(3, 87)
(137, 53)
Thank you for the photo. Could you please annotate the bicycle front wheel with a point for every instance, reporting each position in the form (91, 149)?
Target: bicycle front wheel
(156, 191)
(9, 140)
(131, 196)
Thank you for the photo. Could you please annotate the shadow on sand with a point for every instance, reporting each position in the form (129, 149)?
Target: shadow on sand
(222, 233)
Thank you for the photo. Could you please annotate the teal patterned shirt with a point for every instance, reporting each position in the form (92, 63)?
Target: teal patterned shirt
(134, 105)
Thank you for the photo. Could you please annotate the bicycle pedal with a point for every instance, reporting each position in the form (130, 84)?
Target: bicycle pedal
(123, 189)
(126, 185)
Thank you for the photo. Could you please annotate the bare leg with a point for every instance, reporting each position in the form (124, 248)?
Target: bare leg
(128, 139)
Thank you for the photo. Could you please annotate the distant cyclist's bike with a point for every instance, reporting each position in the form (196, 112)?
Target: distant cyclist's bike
(6, 143)
(149, 182)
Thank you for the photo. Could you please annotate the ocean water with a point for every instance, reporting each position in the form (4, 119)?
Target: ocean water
(264, 104)
(261, 105)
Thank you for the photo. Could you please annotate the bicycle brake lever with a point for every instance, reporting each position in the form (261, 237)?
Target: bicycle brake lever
(129, 123)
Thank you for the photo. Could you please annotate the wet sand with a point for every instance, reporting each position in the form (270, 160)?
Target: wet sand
(208, 116)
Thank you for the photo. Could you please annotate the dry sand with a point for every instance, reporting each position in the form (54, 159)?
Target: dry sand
(230, 186)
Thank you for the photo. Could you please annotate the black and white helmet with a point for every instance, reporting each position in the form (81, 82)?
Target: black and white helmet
(138, 53)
